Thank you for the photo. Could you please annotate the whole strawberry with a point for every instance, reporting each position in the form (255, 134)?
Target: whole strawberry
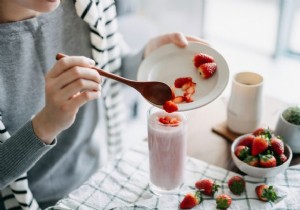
(252, 160)
(267, 161)
(281, 159)
(247, 141)
(262, 132)
(277, 145)
(223, 201)
(207, 186)
(191, 200)
(236, 185)
(242, 152)
(266, 193)
(259, 145)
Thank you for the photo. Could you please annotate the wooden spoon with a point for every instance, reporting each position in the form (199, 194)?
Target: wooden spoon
(155, 92)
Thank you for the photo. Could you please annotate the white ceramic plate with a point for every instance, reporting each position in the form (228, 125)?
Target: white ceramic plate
(170, 62)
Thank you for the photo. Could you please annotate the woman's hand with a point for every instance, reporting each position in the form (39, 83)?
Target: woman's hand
(69, 84)
(178, 39)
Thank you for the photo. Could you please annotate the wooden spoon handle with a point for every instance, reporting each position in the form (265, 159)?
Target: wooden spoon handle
(128, 82)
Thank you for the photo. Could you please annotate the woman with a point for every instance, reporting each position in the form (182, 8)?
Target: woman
(49, 106)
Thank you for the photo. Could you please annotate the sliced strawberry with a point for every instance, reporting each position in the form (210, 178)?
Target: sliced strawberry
(190, 90)
(169, 121)
(252, 160)
(188, 98)
(223, 201)
(242, 152)
(191, 200)
(267, 161)
(202, 58)
(259, 145)
(179, 82)
(178, 99)
(207, 186)
(277, 145)
(236, 185)
(188, 85)
(247, 141)
(266, 193)
(170, 106)
(173, 93)
(164, 120)
(174, 121)
(207, 70)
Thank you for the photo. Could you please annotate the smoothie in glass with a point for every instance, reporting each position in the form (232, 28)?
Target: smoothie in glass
(167, 150)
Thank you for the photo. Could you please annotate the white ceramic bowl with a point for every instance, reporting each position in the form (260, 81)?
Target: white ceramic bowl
(256, 171)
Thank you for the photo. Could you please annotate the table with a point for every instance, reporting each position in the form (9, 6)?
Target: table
(123, 184)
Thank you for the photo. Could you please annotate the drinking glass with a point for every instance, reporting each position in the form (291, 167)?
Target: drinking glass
(167, 151)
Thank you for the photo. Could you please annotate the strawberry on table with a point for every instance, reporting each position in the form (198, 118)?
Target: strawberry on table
(242, 152)
(223, 201)
(191, 200)
(207, 186)
(266, 193)
(202, 58)
(236, 185)
(267, 161)
(277, 145)
(170, 106)
(259, 145)
(207, 70)
(247, 140)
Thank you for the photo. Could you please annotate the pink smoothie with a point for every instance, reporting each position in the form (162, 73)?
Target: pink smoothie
(167, 151)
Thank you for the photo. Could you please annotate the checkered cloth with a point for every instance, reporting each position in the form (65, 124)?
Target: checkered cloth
(123, 185)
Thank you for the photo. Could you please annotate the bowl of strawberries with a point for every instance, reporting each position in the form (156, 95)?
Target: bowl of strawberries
(261, 153)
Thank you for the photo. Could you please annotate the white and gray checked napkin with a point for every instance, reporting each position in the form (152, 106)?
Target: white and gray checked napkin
(123, 185)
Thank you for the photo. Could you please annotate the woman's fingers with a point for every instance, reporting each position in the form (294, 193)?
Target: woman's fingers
(78, 86)
(179, 39)
(68, 62)
(81, 98)
(74, 74)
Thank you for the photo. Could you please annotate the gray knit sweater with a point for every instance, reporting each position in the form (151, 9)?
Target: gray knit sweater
(27, 51)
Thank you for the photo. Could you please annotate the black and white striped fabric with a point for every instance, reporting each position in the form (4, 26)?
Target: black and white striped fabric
(17, 195)
(101, 17)
(105, 39)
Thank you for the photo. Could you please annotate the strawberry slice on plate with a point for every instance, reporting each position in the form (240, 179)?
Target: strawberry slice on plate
(202, 58)
(179, 82)
(207, 70)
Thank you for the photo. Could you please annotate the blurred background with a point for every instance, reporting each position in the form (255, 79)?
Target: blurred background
(253, 35)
